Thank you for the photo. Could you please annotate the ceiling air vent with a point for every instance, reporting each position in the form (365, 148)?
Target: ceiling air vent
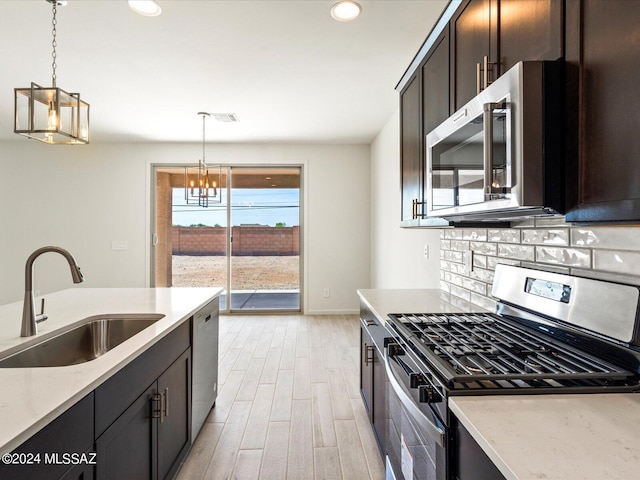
(225, 117)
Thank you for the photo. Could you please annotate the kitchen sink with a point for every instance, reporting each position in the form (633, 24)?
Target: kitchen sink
(83, 343)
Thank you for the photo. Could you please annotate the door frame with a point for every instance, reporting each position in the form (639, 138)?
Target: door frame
(228, 167)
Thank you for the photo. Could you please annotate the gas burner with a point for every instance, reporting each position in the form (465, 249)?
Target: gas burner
(474, 364)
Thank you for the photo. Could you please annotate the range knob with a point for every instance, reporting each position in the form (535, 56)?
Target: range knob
(428, 394)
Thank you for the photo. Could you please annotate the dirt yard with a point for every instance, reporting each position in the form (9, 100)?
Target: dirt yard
(248, 273)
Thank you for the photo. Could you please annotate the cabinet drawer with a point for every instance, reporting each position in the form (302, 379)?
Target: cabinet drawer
(71, 432)
(116, 394)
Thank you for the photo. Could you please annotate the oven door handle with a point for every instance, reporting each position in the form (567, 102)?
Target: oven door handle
(425, 423)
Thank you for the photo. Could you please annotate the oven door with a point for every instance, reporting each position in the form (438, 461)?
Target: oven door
(415, 438)
(469, 161)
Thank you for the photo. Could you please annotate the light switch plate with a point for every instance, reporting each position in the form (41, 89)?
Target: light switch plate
(119, 245)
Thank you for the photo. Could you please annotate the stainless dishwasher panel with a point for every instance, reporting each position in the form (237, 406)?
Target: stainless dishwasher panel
(205, 365)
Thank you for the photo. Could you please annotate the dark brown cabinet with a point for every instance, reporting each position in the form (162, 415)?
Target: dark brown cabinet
(603, 46)
(373, 376)
(435, 84)
(491, 36)
(477, 41)
(411, 156)
(473, 30)
(424, 104)
(148, 438)
(56, 450)
(143, 412)
(174, 424)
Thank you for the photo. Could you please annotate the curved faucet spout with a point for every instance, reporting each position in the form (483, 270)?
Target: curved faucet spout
(29, 318)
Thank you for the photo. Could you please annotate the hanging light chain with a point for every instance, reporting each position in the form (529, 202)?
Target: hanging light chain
(54, 43)
(204, 115)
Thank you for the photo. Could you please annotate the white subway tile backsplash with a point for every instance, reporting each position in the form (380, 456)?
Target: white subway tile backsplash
(504, 235)
(479, 235)
(453, 234)
(547, 268)
(482, 275)
(484, 302)
(609, 253)
(456, 279)
(458, 268)
(460, 292)
(614, 238)
(474, 286)
(570, 257)
(480, 261)
(484, 248)
(460, 245)
(618, 261)
(537, 236)
(493, 261)
(452, 256)
(516, 252)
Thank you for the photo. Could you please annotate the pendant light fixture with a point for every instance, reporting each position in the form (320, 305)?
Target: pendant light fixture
(202, 183)
(50, 114)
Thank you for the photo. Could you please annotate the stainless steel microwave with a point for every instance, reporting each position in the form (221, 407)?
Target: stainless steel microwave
(501, 156)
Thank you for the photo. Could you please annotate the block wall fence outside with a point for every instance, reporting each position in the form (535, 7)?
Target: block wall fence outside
(247, 240)
(608, 253)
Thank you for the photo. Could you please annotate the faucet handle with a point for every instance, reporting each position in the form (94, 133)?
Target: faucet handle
(41, 317)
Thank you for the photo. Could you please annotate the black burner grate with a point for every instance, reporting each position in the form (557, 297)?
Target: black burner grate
(483, 351)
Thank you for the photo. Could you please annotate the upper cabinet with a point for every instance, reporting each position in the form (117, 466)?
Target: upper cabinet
(472, 29)
(473, 43)
(603, 62)
(491, 36)
(411, 156)
(424, 104)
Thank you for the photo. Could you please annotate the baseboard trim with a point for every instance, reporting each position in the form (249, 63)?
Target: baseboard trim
(332, 312)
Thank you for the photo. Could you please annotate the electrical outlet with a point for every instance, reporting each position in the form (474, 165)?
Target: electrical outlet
(325, 292)
(426, 251)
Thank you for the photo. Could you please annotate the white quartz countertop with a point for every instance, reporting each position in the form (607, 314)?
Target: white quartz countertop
(425, 300)
(556, 437)
(551, 437)
(31, 398)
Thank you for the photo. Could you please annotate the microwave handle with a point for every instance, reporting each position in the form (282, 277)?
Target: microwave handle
(425, 423)
(488, 146)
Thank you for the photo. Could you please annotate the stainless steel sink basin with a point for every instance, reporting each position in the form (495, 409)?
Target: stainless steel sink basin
(83, 343)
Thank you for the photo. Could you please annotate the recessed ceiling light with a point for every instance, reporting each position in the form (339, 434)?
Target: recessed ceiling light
(148, 8)
(346, 10)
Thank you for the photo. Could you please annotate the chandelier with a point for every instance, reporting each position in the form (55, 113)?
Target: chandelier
(202, 183)
(50, 114)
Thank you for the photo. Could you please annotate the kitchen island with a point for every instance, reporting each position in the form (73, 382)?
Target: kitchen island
(551, 436)
(33, 397)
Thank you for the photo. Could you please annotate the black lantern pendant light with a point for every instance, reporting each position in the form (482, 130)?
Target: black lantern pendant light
(202, 183)
(50, 114)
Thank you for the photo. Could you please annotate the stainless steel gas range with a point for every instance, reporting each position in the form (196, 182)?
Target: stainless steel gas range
(551, 333)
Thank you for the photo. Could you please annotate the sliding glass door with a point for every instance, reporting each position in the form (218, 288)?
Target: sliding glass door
(246, 241)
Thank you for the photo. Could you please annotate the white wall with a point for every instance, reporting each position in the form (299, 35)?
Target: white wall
(397, 259)
(82, 198)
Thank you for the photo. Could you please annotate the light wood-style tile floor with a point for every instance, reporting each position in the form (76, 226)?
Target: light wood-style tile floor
(289, 404)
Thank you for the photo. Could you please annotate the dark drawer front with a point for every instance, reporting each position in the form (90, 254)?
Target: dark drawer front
(71, 432)
(116, 394)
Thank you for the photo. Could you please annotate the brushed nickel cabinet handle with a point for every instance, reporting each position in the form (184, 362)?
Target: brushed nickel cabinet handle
(368, 355)
(166, 402)
(478, 77)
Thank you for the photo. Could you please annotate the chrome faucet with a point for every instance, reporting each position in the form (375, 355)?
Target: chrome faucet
(30, 319)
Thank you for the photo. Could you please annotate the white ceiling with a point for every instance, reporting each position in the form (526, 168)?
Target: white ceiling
(287, 69)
